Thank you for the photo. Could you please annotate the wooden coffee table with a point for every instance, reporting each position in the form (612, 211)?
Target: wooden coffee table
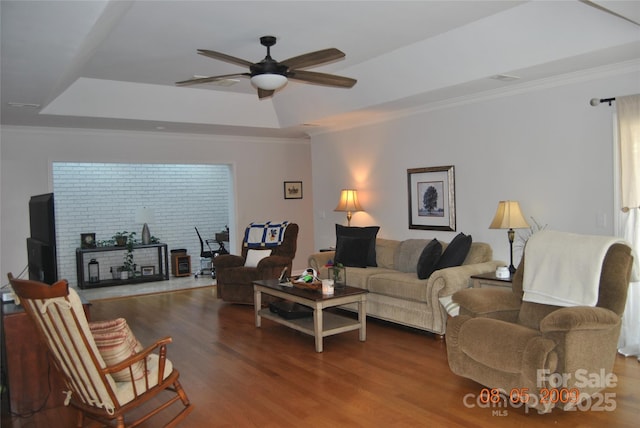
(322, 323)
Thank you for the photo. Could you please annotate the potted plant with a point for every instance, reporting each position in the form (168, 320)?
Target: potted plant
(120, 238)
(127, 240)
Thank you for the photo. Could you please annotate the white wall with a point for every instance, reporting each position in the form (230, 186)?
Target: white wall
(547, 148)
(259, 168)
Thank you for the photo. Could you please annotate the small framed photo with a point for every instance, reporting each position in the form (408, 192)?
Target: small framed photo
(293, 189)
(87, 240)
(148, 270)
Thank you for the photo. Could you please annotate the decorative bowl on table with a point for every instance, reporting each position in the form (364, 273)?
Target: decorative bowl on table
(313, 285)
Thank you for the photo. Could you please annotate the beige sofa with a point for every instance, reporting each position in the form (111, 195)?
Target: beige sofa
(397, 294)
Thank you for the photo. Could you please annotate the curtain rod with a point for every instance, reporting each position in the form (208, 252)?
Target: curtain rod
(595, 101)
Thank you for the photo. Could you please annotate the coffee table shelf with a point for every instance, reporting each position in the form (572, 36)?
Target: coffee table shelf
(331, 323)
(322, 323)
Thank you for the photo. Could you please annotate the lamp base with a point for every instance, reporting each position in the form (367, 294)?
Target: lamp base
(511, 235)
(146, 235)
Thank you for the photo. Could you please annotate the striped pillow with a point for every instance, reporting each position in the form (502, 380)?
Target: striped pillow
(116, 342)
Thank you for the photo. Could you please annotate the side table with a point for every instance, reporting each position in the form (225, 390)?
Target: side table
(33, 382)
(489, 279)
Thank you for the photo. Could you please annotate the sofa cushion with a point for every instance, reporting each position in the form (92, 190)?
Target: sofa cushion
(489, 349)
(429, 259)
(409, 250)
(402, 285)
(456, 252)
(359, 277)
(352, 251)
(368, 234)
(385, 252)
(479, 252)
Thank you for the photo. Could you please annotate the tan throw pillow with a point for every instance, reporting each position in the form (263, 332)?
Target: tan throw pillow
(116, 342)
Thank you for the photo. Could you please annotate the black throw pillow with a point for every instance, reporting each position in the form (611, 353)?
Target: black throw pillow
(367, 234)
(456, 252)
(429, 259)
(352, 251)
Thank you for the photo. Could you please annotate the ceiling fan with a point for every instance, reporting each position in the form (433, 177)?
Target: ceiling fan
(269, 74)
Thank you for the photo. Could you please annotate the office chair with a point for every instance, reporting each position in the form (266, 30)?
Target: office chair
(205, 258)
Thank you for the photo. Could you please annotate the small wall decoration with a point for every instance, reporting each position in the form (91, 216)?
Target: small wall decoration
(293, 189)
(87, 240)
(431, 193)
(148, 270)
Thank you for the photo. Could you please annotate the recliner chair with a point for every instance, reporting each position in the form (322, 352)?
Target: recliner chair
(543, 352)
(235, 280)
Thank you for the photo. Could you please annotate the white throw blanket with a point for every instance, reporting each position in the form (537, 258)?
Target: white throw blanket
(563, 269)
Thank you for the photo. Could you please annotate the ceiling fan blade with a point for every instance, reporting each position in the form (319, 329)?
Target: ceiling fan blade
(314, 58)
(263, 93)
(225, 57)
(321, 78)
(210, 79)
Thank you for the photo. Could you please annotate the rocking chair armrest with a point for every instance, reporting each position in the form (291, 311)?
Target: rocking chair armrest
(160, 344)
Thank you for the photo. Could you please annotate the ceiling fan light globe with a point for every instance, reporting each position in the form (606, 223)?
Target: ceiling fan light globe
(269, 81)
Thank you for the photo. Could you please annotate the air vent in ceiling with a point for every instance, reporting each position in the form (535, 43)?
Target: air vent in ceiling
(505, 77)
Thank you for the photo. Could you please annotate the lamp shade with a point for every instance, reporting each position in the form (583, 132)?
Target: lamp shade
(508, 216)
(145, 215)
(349, 201)
(269, 81)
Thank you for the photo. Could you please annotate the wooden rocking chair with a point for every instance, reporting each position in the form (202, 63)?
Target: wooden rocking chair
(93, 389)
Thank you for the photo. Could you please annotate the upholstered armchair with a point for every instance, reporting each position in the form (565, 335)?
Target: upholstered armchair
(541, 354)
(236, 273)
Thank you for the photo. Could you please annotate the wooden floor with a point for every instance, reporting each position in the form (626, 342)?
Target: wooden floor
(241, 376)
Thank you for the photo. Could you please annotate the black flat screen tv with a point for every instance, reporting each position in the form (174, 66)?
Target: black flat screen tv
(41, 246)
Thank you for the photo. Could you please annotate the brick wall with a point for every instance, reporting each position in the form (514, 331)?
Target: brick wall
(103, 198)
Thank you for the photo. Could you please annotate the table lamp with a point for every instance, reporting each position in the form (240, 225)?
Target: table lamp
(509, 216)
(348, 203)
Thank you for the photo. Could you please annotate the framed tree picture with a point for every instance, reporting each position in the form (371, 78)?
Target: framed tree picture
(431, 194)
(293, 189)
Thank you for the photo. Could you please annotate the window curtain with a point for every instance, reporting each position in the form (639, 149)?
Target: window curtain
(628, 213)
